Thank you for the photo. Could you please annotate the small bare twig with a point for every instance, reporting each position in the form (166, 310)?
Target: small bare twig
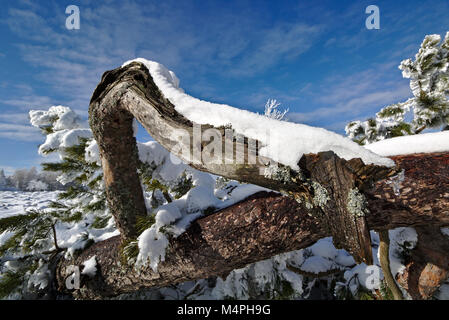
(55, 238)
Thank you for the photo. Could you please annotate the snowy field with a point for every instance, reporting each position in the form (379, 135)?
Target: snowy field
(18, 202)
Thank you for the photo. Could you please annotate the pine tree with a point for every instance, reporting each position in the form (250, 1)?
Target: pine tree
(34, 237)
(3, 181)
(429, 106)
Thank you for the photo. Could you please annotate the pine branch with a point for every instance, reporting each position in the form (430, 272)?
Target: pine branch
(17, 222)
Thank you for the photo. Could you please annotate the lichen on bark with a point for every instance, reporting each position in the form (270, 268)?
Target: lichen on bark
(356, 203)
(279, 173)
(321, 196)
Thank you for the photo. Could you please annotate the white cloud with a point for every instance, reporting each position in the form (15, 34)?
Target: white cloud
(224, 43)
(283, 42)
(28, 102)
(20, 132)
(17, 118)
(354, 107)
(73, 62)
(353, 96)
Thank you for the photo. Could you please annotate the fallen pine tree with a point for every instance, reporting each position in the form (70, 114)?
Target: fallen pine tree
(325, 195)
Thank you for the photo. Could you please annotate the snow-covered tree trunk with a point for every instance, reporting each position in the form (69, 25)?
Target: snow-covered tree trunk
(327, 196)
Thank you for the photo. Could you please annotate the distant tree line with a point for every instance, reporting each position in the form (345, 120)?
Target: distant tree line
(30, 180)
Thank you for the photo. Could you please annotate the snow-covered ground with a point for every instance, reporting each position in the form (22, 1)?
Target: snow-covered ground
(70, 235)
(17, 202)
(320, 257)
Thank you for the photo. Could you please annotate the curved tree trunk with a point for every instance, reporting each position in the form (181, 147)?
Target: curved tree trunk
(384, 260)
(317, 201)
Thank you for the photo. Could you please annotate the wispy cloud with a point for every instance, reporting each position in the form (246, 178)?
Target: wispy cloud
(19, 132)
(28, 102)
(72, 61)
(353, 96)
(415, 17)
(233, 46)
(17, 118)
(286, 41)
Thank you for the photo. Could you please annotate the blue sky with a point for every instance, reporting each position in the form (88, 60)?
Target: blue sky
(315, 57)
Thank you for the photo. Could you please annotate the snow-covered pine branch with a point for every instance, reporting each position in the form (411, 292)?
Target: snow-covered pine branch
(429, 106)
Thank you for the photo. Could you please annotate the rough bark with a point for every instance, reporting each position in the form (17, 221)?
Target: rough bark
(263, 225)
(428, 265)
